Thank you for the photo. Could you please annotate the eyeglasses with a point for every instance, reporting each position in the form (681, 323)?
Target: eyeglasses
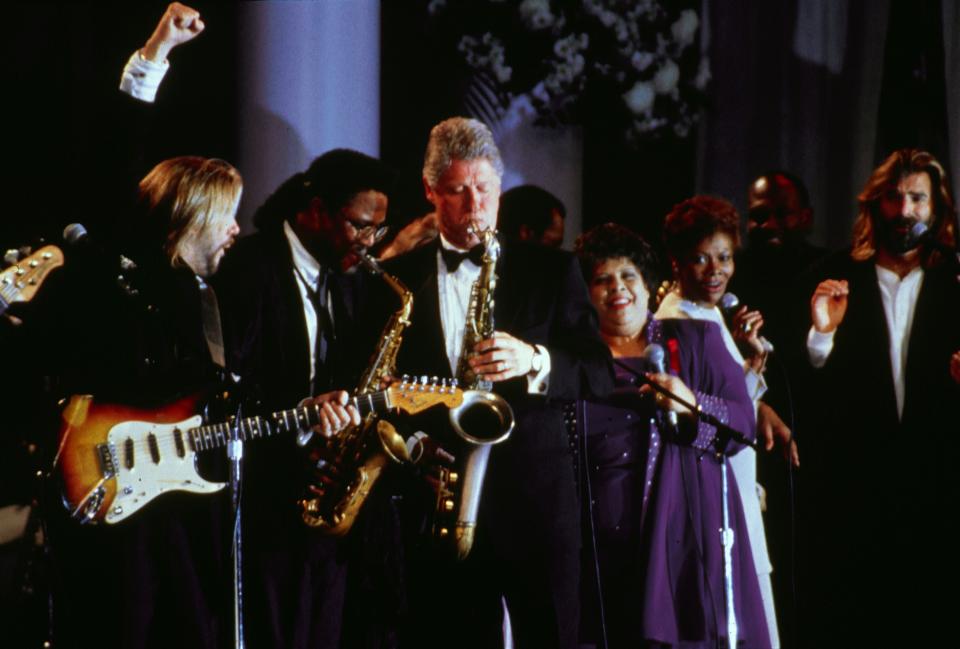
(366, 230)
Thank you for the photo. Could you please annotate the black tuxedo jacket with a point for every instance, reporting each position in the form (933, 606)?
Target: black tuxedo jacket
(295, 577)
(265, 335)
(540, 298)
(856, 391)
(881, 491)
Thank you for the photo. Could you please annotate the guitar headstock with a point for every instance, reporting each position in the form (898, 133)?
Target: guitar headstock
(20, 282)
(412, 397)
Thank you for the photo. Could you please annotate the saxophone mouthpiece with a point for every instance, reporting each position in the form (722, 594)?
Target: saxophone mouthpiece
(367, 260)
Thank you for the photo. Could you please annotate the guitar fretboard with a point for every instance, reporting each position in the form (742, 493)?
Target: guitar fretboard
(217, 435)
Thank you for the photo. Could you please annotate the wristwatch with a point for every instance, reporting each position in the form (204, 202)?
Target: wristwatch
(536, 363)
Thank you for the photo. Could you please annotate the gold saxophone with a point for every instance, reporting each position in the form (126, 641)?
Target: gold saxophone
(482, 420)
(359, 453)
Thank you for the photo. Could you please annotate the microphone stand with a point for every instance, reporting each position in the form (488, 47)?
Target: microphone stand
(235, 454)
(726, 532)
(726, 540)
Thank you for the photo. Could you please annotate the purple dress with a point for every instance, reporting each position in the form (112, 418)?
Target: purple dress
(657, 505)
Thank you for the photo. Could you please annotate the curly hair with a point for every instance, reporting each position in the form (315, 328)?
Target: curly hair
(334, 177)
(614, 241)
(899, 165)
(696, 219)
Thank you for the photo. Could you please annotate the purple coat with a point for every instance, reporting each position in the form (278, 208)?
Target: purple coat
(657, 505)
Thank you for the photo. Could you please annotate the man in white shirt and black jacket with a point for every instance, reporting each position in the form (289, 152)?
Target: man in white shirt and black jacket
(546, 349)
(885, 323)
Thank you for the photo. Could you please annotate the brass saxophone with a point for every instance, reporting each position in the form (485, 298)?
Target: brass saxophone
(482, 420)
(360, 452)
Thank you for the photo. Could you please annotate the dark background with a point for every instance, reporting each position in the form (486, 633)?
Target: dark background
(62, 63)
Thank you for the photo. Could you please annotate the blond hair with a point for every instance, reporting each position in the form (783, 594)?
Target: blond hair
(185, 195)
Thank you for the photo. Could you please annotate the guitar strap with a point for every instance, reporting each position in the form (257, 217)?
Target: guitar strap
(212, 330)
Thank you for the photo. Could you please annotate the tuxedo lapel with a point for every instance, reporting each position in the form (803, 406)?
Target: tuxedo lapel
(423, 349)
(873, 329)
(287, 310)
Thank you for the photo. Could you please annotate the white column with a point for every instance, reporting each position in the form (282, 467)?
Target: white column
(546, 157)
(309, 81)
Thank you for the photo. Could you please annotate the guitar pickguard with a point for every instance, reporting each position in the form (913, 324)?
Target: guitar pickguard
(151, 459)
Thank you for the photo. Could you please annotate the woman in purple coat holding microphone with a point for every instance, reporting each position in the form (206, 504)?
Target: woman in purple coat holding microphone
(653, 480)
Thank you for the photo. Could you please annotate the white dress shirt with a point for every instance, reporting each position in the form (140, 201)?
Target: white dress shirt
(454, 294)
(899, 297)
(306, 271)
(141, 78)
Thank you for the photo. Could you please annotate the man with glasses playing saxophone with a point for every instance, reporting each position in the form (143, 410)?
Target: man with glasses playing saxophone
(289, 306)
(545, 349)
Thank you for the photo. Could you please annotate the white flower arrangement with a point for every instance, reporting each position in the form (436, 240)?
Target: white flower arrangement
(632, 60)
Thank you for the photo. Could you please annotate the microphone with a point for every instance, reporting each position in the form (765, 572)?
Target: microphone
(920, 234)
(77, 237)
(656, 358)
(729, 303)
(76, 234)
(917, 234)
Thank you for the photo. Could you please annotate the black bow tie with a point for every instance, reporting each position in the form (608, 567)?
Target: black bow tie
(453, 258)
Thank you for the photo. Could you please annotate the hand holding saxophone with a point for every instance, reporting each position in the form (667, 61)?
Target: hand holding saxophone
(501, 357)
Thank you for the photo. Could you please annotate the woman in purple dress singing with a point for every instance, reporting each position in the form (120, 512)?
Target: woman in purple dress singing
(652, 483)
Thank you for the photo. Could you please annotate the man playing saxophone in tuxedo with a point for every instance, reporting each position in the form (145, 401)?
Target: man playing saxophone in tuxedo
(545, 349)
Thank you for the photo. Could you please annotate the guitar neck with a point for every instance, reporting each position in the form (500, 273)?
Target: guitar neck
(302, 418)
(370, 403)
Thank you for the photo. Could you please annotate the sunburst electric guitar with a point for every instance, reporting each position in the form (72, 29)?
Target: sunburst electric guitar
(20, 282)
(112, 459)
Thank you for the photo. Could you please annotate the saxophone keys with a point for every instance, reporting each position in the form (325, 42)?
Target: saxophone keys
(444, 532)
(448, 505)
(453, 477)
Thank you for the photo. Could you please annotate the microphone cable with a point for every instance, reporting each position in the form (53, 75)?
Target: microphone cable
(581, 427)
(792, 498)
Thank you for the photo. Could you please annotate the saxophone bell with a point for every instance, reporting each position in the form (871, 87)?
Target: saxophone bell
(483, 418)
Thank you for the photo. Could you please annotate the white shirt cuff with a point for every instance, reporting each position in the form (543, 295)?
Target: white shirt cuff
(819, 346)
(539, 382)
(756, 385)
(141, 78)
